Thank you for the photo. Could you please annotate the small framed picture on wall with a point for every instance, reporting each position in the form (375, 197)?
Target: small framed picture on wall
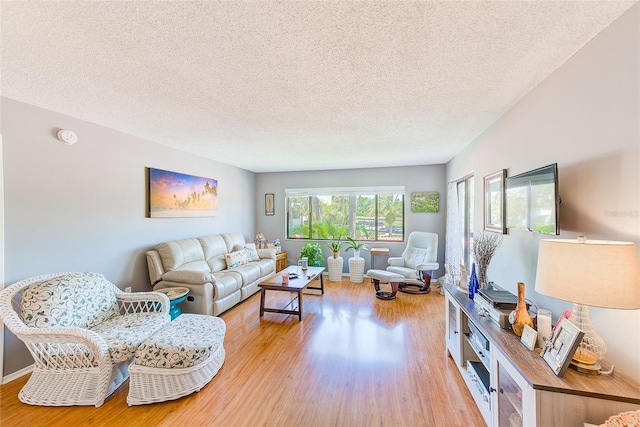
(269, 208)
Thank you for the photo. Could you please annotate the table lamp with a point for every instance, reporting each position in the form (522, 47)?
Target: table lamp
(260, 241)
(589, 273)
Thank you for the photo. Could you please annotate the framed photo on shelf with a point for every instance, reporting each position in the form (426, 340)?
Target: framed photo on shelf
(528, 338)
(561, 346)
(494, 207)
(269, 208)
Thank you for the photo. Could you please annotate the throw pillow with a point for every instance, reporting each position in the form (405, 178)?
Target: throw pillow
(252, 252)
(235, 259)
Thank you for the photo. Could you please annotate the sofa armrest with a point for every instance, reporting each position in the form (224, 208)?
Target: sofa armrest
(396, 261)
(267, 254)
(154, 263)
(189, 276)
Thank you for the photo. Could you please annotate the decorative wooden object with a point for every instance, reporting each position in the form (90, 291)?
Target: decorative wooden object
(521, 314)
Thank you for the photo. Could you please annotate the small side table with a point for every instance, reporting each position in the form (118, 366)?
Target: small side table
(176, 296)
(281, 261)
(377, 252)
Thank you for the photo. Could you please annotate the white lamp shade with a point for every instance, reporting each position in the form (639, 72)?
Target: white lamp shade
(592, 272)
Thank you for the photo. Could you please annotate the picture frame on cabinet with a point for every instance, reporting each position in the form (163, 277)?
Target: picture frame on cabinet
(529, 337)
(562, 345)
(494, 204)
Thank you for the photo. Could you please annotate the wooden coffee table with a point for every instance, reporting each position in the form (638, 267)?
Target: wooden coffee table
(294, 285)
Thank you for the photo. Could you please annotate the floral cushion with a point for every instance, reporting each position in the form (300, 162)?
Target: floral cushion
(187, 341)
(250, 251)
(71, 300)
(125, 333)
(235, 259)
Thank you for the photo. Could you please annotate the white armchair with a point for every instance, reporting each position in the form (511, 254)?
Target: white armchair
(82, 332)
(419, 257)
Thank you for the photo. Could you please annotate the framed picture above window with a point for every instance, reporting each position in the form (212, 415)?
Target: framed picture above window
(494, 212)
(269, 208)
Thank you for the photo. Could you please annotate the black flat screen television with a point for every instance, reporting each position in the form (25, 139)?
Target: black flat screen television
(532, 200)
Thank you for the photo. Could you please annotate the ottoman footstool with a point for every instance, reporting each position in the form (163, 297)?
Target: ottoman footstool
(383, 276)
(178, 360)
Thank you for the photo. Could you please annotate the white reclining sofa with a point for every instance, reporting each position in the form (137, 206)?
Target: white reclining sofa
(220, 270)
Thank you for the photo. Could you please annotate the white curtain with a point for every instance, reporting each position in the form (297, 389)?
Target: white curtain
(453, 249)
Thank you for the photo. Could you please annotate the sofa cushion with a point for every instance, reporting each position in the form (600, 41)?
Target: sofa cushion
(267, 266)
(213, 246)
(418, 256)
(125, 333)
(226, 283)
(233, 239)
(71, 300)
(179, 252)
(236, 259)
(187, 341)
(250, 272)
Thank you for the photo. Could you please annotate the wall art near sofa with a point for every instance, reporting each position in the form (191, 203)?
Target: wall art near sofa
(177, 195)
(425, 202)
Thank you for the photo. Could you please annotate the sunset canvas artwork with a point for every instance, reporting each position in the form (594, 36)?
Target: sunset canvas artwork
(173, 194)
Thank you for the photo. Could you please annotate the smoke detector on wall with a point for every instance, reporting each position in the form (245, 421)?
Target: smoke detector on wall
(67, 137)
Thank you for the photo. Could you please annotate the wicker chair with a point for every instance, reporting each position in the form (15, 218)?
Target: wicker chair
(82, 332)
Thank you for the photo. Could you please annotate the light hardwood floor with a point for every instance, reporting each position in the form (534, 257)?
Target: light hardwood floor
(354, 360)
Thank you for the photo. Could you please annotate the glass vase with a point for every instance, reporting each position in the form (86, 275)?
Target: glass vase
(482, 275)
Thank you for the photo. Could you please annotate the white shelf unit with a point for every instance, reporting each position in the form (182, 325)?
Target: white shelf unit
(523, 390)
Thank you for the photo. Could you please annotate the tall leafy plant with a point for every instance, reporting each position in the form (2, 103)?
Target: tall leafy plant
(313, 252)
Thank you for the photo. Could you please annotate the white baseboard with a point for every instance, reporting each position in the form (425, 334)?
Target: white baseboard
(17, 374)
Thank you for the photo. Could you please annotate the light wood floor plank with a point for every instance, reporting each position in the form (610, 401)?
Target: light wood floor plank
(354, 360)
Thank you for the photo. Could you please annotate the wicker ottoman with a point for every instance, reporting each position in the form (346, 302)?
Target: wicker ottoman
(383, 276)
(178, 360)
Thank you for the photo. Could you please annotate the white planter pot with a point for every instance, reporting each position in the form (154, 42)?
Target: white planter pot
(335, 268)
(356, 270)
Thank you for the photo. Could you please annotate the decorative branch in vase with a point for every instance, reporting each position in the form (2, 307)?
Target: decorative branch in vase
(484, 247)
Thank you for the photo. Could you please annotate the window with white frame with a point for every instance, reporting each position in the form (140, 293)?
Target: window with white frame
(363, 213)
(466, 206)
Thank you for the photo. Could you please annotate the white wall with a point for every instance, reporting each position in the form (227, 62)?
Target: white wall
(413, 178)
(585, 117)
(82, 207)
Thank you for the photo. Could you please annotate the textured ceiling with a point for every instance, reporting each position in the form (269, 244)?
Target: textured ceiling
(277, 86)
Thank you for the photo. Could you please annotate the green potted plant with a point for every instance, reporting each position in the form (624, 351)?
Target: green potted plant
(335, 245)
(355, 246)
(313, 252)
